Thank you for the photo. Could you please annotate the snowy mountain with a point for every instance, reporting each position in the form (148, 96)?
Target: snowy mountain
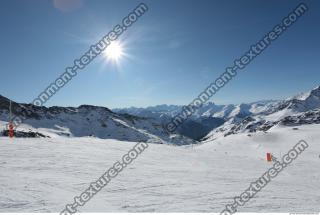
(195, 128)
(298, 110)
(146, 124)
(87, 120)
(212, 120)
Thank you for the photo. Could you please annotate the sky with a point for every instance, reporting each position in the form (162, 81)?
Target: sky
(172, 53)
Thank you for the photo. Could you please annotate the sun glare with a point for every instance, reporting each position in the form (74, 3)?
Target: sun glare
(114, 51)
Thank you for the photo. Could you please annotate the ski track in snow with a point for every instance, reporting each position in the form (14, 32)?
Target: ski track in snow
(43, 175)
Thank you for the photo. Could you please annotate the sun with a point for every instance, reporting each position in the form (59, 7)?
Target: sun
(114, 51)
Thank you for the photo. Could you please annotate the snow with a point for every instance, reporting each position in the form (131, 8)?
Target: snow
(43, 175)
(279, 115)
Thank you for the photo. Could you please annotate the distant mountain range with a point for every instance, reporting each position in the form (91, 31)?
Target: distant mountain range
(212, 121)
(146, 124)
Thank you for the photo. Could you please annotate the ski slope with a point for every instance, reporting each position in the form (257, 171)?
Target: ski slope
(43, 175)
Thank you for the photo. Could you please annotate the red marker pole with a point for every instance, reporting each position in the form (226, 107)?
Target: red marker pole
(269, 159)
(11, 132)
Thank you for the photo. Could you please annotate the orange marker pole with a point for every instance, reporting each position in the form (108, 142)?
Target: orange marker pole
(269, 159)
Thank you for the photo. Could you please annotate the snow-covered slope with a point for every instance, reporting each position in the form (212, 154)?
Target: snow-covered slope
(43, 175)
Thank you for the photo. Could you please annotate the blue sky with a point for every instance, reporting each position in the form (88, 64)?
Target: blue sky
(174, 51)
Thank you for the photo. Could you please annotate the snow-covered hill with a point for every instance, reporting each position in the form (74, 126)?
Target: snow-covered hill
(43, 175)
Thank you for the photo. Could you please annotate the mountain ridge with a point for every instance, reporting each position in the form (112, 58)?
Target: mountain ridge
(146, 124)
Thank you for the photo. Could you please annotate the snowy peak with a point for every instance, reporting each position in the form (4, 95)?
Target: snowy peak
(304, 96)
(316, 91)
(240, 111)
(302, 102)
